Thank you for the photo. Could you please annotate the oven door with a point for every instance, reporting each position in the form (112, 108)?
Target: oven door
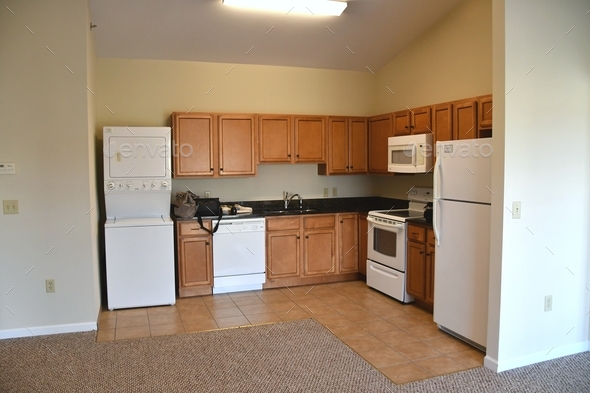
(386, 244)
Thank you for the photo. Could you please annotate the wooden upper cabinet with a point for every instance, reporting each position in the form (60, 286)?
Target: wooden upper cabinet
(338, 146)
(274, 138)
(310, 138)
(380, 129)
(401, 122)
(193, 145)
(442, 123)
(485, 115)
(347, 146)
(358, 145)
(237, 145)
(465, 120)
(421, 120)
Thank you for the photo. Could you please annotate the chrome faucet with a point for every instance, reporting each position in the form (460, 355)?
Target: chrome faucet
(288, 200)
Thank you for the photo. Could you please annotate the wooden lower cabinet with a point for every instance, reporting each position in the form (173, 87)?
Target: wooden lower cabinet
(420, 265)
(348, 242)
(363, 240)
(282, 254)
(304, 250)
(194, 259)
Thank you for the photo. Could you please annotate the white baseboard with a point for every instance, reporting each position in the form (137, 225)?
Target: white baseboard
(509, 364)
(44, 330)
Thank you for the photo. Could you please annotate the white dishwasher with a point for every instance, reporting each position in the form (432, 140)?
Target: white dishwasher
(239, 255)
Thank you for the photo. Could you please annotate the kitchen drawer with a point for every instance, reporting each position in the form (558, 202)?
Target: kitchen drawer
(192, 228)
(282, 223)
(416, 233)
(313, 222)
(430, 236)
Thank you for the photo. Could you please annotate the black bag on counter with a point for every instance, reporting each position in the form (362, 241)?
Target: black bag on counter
(207, 207)
(185, 205)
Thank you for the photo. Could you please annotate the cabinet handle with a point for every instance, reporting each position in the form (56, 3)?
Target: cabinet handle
(298, 238)
(220, 169)
(211, 169)
(428, 255)
(289, 155)
(421, 252)
(206, 243)
(351, 167)
(341, 221)
(195, 229)
(307, 237)
(406, 127)
(297, 155)
(415, 233)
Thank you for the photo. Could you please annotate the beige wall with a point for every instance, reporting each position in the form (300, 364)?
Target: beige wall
(541, 158)
(452, 60)
(146, 92)
(44, 129)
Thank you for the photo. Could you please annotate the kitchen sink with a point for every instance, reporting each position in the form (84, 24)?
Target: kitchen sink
(291, 211)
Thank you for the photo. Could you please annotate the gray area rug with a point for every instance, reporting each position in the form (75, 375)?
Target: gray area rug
(298, 356)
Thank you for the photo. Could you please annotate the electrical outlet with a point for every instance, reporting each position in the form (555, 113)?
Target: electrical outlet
(10, 206)
(207, 194)
(326, 193)
(516, 210)
(548, 303)
(50, 285)
(334, 191)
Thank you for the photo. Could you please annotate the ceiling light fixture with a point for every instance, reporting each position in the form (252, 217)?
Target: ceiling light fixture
(309, 7)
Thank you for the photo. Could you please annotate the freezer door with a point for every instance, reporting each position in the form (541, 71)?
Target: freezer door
(463, 170)
(462, 269)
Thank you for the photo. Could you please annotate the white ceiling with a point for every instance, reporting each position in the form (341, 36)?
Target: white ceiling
(375, 31)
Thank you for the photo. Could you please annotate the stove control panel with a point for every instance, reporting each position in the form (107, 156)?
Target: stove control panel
(137, 185)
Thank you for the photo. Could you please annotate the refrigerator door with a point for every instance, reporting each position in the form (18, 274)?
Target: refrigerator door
(463, 170)
(462, 269)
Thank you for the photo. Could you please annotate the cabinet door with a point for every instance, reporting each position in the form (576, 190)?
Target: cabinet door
(358, 146)
(484, 113)
(193, 145)
(282, 254)
(318, 252)
(194, 262)
(421, 120)
(348, 238)
(429, 275)
(237, 145)
(401, 123)
(338, 147)
(310, 139)
(442, 123)
(465, 120)
(380, 128)
(363, 237)
(416, 269)
(274, 138)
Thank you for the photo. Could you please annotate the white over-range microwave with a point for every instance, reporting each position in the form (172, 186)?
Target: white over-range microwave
(410, 153)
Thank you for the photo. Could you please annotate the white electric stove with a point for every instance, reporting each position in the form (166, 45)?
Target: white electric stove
(386, 245)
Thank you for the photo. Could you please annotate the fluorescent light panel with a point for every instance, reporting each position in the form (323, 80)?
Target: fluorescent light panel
(309, 7)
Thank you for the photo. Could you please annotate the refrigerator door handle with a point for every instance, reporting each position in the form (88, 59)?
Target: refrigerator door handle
(435, 221)
(437, 173)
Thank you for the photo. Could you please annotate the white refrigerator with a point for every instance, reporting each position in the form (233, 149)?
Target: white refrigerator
(461, 221)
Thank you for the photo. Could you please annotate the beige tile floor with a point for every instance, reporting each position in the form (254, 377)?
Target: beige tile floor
(400, 340)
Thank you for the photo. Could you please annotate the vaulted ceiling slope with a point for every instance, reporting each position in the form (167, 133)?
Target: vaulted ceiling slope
(367, 36)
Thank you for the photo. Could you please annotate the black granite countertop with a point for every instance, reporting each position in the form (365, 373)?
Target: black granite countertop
(311, 206)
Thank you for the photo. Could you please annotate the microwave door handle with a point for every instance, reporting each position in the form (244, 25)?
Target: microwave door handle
(414, 158)
(437, 179)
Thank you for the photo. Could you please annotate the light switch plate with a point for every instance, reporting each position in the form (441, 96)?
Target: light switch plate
(7, 168)
(10, 206)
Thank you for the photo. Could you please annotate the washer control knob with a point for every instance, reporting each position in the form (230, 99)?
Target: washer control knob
(110, 185)
(145, 184)
(128, 184)
(153, 184)
(121, 185)
(165, 185)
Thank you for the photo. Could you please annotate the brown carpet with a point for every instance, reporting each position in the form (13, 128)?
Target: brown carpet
(298, 356)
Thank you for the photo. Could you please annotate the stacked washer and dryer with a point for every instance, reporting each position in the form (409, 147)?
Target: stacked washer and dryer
(139, 233)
